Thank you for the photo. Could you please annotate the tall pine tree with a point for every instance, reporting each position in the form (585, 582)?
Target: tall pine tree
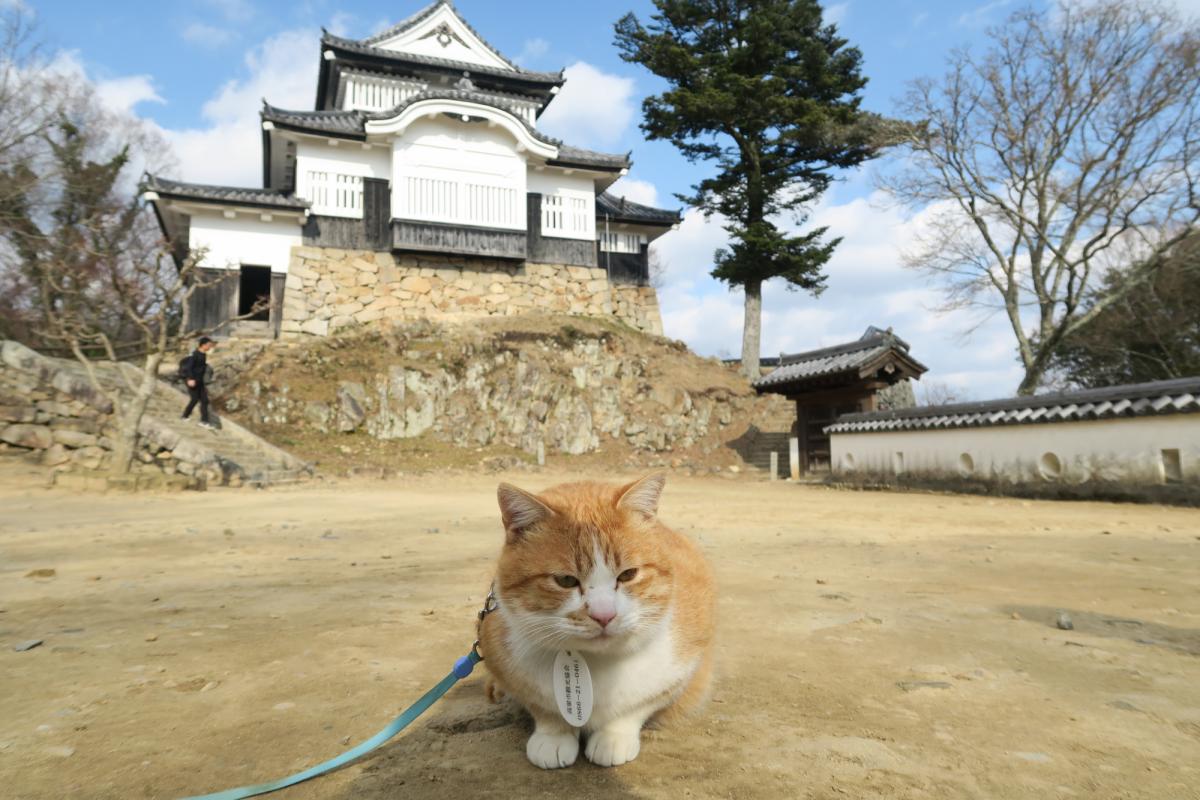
(770, 93)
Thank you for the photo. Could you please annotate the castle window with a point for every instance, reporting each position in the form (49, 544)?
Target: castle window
(334, 194)
(614, 242)
(568, 215)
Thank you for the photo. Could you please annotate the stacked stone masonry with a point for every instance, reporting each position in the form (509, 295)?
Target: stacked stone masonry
(52, 415)
(328, 289)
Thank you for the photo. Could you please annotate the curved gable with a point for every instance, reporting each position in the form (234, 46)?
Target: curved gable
(441, 33)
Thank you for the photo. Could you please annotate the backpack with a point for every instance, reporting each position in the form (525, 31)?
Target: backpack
(185, 368)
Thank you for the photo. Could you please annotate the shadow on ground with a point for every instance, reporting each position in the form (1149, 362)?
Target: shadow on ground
(1182, 640)
(468, 747)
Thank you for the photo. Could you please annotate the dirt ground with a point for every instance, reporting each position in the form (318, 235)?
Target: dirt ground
(872, 645)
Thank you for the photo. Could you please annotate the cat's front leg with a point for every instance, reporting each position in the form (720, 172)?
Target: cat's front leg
(554, 743)
(618, 742)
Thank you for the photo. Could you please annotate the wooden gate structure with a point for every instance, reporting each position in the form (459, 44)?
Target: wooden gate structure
(843, 379)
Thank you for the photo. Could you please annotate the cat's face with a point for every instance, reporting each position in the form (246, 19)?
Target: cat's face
(582, 565)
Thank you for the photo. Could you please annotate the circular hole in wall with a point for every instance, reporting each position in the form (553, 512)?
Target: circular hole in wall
(1050, 466)
(966, 464)
(848, 462)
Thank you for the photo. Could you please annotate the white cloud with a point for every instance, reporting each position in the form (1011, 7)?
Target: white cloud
(1188, 8)
(208, 35)
(116, 95)
(283, 70)
(593, 109)
(643, 192)
(867, 286)
(534, 49)
(123, 94)
(835, 14)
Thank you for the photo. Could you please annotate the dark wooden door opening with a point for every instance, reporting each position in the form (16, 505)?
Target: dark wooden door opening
(254, 289)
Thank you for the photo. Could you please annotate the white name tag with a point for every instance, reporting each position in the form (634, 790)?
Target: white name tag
(572, 683)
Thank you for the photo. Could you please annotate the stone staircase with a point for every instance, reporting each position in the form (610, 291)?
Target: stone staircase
(757, 454)
(769, 433)
(231, 454)
(239, 452)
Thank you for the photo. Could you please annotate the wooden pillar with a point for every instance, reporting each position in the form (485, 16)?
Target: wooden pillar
(794, 457)
(802, 436)
(278, 283)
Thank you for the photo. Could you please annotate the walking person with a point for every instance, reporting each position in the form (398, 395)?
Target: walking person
(195, 371)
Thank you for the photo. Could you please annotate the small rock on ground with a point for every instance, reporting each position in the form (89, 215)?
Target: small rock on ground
(912, 686)
(1063, 621)
(29, 645)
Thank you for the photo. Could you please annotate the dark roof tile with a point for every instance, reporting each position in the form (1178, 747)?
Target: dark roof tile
(628, 211)
(838, 358)
(361, 48)
(421, 16)
(353, 124)
(1131, 400)
(230, 195)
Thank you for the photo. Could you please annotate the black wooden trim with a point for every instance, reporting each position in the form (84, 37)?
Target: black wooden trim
(319, 132)
(583, 165)
(629, 269)
(553, 250)
(436, 237)
(377, 213)
(344, 233)
(211, 307)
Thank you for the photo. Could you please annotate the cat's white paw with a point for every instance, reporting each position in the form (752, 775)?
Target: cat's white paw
(614, 744)
(552, 750)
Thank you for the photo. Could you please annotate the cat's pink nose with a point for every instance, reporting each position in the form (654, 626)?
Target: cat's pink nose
(603, 617)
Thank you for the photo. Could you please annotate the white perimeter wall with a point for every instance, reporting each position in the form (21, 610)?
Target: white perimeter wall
(459, 174)
(1127, 450)
(245, 239)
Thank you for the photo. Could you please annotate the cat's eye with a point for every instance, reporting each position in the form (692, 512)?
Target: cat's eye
(566, 581)
(627, 575)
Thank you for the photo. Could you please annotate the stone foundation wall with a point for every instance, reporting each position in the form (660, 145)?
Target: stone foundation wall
(329, 289)
(53, 417)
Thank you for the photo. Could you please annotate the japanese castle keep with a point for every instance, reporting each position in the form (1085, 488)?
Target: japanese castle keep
(419, 186)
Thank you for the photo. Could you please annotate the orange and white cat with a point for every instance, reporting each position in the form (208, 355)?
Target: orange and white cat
(588, 567)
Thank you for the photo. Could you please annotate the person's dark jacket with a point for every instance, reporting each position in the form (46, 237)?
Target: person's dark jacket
(198, 367)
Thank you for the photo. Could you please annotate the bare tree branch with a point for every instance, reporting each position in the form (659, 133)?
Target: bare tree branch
(1069, 150)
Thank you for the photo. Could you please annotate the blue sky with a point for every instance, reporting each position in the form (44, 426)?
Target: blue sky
(199, 68)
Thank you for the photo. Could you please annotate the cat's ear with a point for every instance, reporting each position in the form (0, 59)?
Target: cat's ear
(642, 495)
(519, 509)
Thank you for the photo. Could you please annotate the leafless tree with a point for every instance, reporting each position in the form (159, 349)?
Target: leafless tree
(1064, 151)
(939, 393)
(83, 268)
(657, 269)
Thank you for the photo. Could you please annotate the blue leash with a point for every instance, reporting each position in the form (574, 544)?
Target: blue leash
(462, 668)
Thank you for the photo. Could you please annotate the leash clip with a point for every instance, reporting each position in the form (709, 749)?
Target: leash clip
(490, 604)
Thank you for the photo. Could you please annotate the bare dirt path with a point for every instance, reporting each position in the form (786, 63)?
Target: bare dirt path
(872, 645)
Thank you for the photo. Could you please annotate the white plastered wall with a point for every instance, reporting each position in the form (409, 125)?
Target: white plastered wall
(245, 239)
(436, 159)
(556, 182)
(344, 158)
(1122, 450)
